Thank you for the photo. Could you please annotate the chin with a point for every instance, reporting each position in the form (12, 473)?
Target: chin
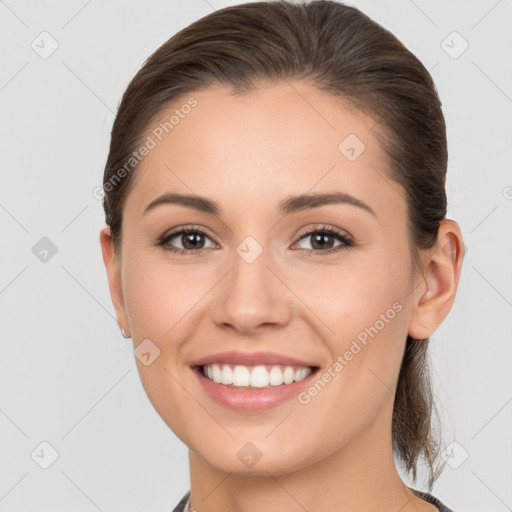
(245, 464)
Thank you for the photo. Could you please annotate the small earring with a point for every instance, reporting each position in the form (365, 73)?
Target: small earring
(124, 334)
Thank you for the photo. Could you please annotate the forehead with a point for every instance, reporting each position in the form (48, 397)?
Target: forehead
(280, 139)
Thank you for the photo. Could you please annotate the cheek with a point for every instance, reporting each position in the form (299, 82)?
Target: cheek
(361, 310)
(158, 295)
(165, 304)
(159, 300)
(351, 296)
(367, 348)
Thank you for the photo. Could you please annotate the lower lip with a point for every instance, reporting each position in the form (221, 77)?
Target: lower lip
(252, 399)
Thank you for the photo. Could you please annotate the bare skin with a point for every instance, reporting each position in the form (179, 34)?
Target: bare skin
(248, 154)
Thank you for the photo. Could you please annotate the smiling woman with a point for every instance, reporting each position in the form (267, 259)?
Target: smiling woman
(281, 254)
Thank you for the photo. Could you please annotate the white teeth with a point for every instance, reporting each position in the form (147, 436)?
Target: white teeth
(276, 376)
(288, 375)
(241, 376)
(254, 376)
(216, 373)
(259, 377)
(226, 375)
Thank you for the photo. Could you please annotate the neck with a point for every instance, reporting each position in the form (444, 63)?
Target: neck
(361, 475)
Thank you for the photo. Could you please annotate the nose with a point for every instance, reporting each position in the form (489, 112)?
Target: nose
(252, 297)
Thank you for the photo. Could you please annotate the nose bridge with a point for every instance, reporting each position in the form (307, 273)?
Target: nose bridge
(251, 294)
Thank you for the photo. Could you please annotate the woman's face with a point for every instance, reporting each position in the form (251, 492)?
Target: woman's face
(258, 280)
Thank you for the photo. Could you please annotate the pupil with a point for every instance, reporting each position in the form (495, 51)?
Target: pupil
(320, 240)
(190, 238)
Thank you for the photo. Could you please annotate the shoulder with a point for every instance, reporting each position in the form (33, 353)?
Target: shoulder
(431, 499)
(182, 506)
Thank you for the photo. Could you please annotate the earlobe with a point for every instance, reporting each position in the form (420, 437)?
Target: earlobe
(114, 277)
(435, 294)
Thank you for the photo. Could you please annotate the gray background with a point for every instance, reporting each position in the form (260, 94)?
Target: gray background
(68, 378)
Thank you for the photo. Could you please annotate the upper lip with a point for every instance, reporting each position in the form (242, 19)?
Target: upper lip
(250, 359)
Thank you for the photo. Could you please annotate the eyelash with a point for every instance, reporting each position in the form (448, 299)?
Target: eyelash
(347, 242)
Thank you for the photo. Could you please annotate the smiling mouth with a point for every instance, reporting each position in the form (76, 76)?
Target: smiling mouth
(255, 376)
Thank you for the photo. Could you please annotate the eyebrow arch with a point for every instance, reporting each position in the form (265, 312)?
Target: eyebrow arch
(306, 201)
(290, 205)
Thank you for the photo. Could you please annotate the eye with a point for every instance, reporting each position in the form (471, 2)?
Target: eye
(192, 240)
(322, 240)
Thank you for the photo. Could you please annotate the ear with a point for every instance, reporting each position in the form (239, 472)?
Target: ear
(435, 293)
(114, 278)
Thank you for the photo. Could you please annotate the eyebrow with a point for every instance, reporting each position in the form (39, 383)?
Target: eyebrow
(290, 205)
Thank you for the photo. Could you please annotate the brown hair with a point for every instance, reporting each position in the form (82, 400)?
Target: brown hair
(340, 50)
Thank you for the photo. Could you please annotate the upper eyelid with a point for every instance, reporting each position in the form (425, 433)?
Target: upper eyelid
(181, 229)
(332, 230)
